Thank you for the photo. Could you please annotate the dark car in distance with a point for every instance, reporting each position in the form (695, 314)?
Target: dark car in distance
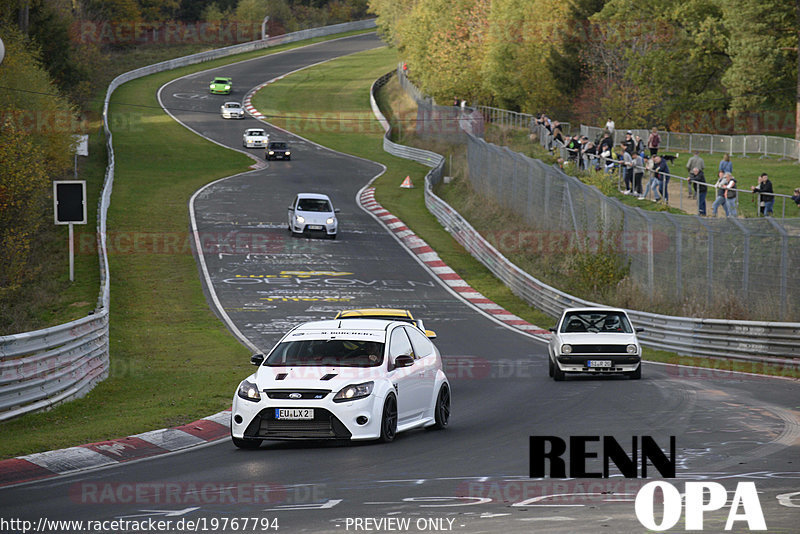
(278, 150)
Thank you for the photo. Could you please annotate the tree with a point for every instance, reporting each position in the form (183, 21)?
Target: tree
(763, 70)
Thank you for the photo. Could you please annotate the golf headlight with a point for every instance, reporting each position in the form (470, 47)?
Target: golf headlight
(300, 219)
(227, 87)
(271, 152)
(330, 220)
(354, 391)
(249, 391)
(632, 349)
(288, 153)
(566, 349)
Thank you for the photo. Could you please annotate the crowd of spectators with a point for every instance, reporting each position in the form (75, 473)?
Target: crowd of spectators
(638, 162)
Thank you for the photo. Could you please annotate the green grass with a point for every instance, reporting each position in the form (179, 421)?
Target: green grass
(172, 360)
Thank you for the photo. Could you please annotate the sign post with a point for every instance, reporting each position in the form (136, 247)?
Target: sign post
(69, 207)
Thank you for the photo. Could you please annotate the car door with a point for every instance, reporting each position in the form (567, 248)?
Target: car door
(408, 381)
(425, 353)
(291, 213)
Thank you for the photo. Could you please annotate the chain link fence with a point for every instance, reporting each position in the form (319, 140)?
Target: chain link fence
(677, 258)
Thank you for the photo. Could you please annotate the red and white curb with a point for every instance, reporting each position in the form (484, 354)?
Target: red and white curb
(49, 464)
(448, 276)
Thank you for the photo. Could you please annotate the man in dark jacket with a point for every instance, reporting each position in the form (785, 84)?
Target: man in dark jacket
(661, 172)
(698, 180)
(766, 198)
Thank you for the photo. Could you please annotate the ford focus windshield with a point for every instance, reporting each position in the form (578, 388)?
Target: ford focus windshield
(327, 352)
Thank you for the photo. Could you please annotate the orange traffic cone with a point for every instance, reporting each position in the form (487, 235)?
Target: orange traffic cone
(407, 183)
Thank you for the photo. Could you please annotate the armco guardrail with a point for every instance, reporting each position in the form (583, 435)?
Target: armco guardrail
(43, 368)
(750, 341)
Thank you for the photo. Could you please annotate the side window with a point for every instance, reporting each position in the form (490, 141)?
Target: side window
(422, 347)
(399, 344)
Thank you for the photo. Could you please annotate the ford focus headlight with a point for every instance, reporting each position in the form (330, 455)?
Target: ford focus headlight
(632, 349)
(249, 391)
(330, 220)
(566, 349)
(354, 391)
(300, 219)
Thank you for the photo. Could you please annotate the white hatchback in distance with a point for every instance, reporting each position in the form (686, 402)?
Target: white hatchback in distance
(313, 213)
(255, 138)
(359, 379)
(231, 110)
(595, 341)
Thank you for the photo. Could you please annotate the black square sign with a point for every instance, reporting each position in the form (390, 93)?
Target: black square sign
(69, 201)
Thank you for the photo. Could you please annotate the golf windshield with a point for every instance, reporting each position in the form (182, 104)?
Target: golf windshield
(327, 352)
(596, 321)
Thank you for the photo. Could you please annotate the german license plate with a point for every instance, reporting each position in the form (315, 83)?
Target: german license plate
(294, 413)
(598, 363)
(314, 227)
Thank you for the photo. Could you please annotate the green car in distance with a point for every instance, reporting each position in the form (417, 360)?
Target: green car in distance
(221, 86)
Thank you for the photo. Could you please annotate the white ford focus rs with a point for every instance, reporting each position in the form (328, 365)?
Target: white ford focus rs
(357, 379)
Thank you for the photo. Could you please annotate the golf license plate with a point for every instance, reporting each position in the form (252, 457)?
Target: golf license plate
(599, 363)
(315, 227)
(294, 413)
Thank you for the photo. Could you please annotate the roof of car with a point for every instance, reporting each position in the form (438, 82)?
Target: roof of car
(595, 309)
(233, 104)
(372, 328)
(375, 312)
(313, 195)
(222, 78)
(254, 130)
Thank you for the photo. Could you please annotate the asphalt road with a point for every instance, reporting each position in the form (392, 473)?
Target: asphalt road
(471, 477)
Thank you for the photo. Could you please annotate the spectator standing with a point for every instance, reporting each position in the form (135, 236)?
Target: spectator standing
(606, 143)
(629, 143)
(638, 172)
(698, 184)
(694, 162)
(627, 170)
(662, 172)
(766, 200)
(796, 197)
(573, 147)
(730, 195)
(610, 126)
(653, 183)
(726, 165)
(722, 181)
(653, 142)
(639, 146)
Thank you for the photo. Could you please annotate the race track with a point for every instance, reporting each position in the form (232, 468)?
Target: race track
(470, 477)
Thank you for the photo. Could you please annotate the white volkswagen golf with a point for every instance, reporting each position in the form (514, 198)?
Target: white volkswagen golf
(594, 340)
(354, 379)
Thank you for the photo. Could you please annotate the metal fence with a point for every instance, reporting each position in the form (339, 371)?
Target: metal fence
(763, 145)
(547, 198)
(43, 368)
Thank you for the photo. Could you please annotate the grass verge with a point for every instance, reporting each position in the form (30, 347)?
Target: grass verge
(172, 360)
(344, 82)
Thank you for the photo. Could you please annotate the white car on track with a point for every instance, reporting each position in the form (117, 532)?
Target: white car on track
(359, 379)
(596, 341)
(313, 213)
(231, 110)
(255, 138)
